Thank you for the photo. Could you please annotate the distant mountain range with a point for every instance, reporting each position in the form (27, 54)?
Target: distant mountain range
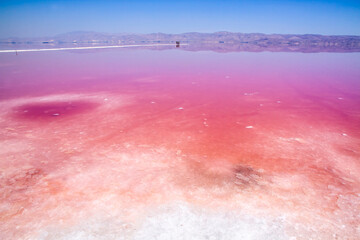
(218, 41)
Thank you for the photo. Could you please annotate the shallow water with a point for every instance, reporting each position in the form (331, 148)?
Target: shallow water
(145, 144)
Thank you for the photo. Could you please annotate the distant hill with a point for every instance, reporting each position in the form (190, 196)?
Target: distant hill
(218, 41)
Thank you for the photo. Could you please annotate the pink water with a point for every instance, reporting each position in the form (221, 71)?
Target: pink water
(139, 144)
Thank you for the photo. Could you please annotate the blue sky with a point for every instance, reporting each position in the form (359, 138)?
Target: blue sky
(47, 18)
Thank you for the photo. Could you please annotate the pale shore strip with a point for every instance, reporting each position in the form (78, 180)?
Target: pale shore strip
(82, 48)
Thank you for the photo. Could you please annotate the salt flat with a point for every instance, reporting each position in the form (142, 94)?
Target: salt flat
(169, 144)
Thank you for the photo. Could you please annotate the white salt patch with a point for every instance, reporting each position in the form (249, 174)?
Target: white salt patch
(177, 221)
(180, 108)
(91, 229)
(184, 222)
(250, 94)
(249, 127)
(81, 48)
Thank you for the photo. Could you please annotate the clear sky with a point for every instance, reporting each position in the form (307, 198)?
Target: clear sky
(47, 18)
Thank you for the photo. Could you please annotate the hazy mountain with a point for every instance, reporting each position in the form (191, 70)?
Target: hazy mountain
(218, 41)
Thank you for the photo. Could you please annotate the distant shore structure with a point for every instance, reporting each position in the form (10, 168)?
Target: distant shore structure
(177, 43)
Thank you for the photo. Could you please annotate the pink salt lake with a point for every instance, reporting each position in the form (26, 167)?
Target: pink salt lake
(142, 144)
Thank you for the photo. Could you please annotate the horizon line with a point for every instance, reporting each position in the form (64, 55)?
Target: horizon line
(220, 31)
